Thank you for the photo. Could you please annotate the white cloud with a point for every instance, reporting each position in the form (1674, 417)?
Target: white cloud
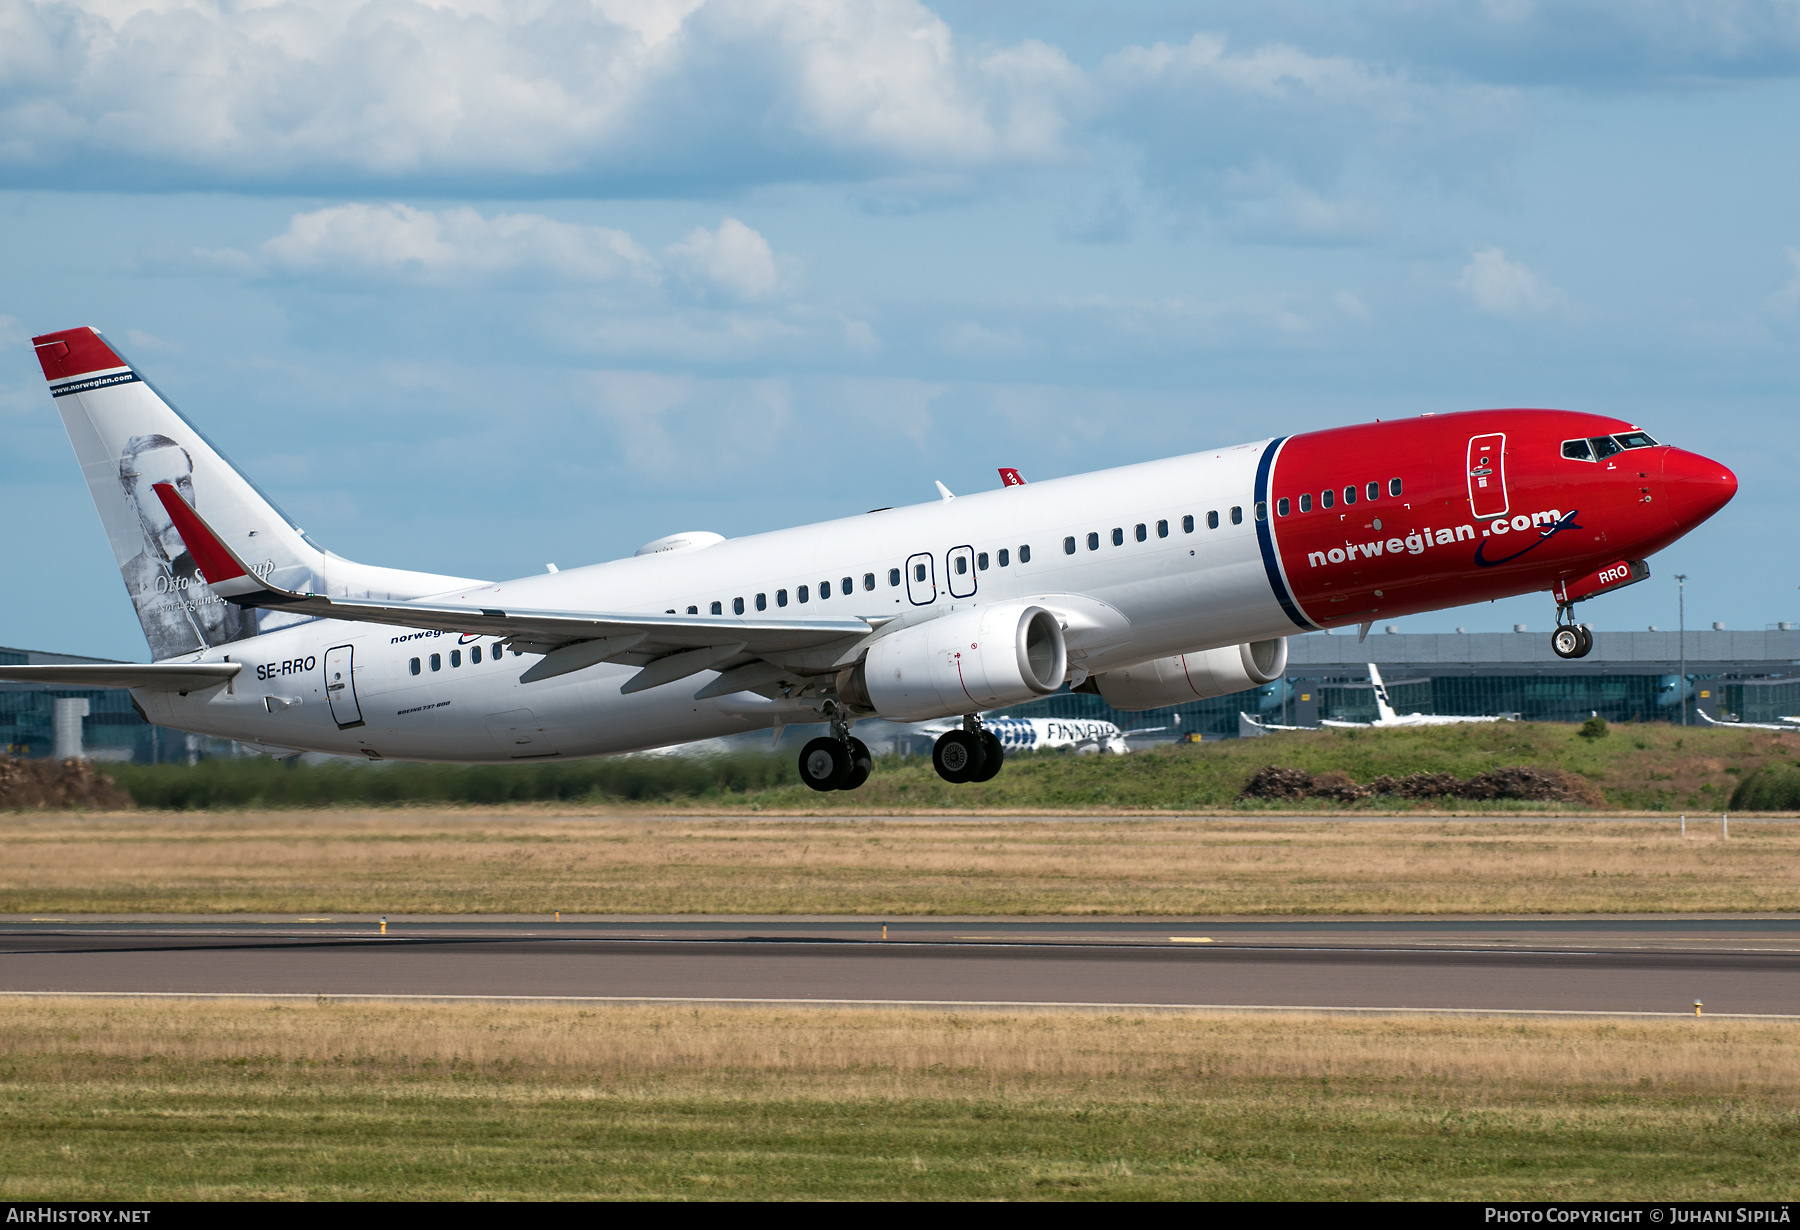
(452, 245)
(969, 340)
(1787, 299)
(1503, 287)
(734, 259)
(619, 91)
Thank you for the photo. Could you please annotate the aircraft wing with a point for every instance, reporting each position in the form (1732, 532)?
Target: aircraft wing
(582, 637)
(160, 677)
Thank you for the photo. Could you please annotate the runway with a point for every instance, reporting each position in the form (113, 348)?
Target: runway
(1735, 965)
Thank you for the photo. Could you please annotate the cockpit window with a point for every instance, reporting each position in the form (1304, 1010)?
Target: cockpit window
(1577, 450)
(1604, 447)
(1635, 439)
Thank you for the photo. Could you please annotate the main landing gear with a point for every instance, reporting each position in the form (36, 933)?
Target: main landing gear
(972, 754)
(837, 761)
(1570, 640)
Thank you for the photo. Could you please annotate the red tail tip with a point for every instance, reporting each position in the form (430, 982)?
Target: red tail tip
(74, 352)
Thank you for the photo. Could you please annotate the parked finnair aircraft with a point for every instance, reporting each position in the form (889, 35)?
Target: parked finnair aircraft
(1150, 584)
(1385, 715)
(1049, 734)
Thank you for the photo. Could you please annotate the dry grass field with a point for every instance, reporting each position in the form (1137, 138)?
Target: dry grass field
(535, 860)
(148, 1099)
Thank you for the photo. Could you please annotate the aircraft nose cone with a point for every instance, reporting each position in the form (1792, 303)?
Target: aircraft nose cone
(1695, 487)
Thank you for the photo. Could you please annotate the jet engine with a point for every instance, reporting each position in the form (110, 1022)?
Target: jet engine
(967, 660)
(1192, 676)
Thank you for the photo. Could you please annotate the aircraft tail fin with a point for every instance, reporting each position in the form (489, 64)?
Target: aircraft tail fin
(1384, 709)
(128, 439)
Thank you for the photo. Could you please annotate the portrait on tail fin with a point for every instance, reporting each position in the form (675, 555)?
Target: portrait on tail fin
(178, 612)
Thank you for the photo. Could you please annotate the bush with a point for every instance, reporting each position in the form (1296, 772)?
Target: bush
(1519, 782)
(269, 783)
(1770, 788)
(1594, 728)
(57, 784)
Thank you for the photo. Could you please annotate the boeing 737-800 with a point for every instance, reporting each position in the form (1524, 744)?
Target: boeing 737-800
(1151, 584)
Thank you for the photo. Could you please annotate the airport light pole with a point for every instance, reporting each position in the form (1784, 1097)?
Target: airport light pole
(1681, 635)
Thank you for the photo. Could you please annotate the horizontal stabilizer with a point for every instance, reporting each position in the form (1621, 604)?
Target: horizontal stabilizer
(162, 677)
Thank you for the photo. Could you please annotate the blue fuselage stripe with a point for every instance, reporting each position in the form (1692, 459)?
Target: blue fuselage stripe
(1265, 537)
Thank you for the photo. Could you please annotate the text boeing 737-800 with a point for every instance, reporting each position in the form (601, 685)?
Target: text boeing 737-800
(1150, 584)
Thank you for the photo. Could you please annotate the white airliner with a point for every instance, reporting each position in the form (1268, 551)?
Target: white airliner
(1152, 585)
(1051, 734)
(1780, 723)
(1384, 711)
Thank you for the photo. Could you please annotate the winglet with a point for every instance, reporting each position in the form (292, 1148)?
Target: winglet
(226, 574)
(1010, 477)
(945, 493)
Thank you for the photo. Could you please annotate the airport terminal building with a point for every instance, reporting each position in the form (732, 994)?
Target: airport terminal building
(1629, 677)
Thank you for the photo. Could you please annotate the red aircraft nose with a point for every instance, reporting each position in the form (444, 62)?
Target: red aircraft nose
(1695, 487)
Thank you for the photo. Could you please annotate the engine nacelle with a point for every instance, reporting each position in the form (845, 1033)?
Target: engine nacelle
(962, 662)
(1193, 676)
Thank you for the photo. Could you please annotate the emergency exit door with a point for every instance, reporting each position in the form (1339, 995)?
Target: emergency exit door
(1487, 475)
(921, 580)
(340, 687)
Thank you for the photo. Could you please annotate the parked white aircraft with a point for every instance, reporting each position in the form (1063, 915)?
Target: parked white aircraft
(1385, 715)
(1781, 723)
(1151, 584)
(1050, 734)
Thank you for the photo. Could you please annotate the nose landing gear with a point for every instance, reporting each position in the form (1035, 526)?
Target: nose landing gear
(1570, 640)
(972, 754)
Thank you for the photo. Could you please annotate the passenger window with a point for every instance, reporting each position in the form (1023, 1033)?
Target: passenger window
(868, 580)
(737, 606)
(981, 561)
(456, 657)
(1262, 511)
(1394, 487)
(1142, 532)
(824, 589)
(1349, 495)
(1162, 529)
(918, 572)
(803, 593)
(1005, 557)
(1212, 519)
(845, 587)
(718, 608)
(1024, 555)
(781, 597)
(1237, 515)
(1635, 439)
(762, 602)
(1093, 541)
(893, 576)
(1327, 499)
(1281, 507)
(693, 610)
(437, 663)
(1187, 524)
(962, 565)
(475, 656)
(1374, 491)
(414, 666)
(1604, 447)
(1577, 450)
(1118, 537)
(1306, 502)
(1068, 546)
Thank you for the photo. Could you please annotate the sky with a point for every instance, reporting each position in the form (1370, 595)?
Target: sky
(473, 287)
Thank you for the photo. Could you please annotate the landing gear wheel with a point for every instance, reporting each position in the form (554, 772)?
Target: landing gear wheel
(995, 754)
(862, 763)
(1587, 641)
(958, 756)
(825, 764)
(1571, 641)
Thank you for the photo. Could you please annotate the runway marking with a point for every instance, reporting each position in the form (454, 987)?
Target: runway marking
(748, 1002)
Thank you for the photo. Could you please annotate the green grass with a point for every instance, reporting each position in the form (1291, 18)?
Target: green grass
(1640, 768)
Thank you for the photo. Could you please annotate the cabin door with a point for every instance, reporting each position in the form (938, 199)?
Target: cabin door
(1487, 475)
(340, 687)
